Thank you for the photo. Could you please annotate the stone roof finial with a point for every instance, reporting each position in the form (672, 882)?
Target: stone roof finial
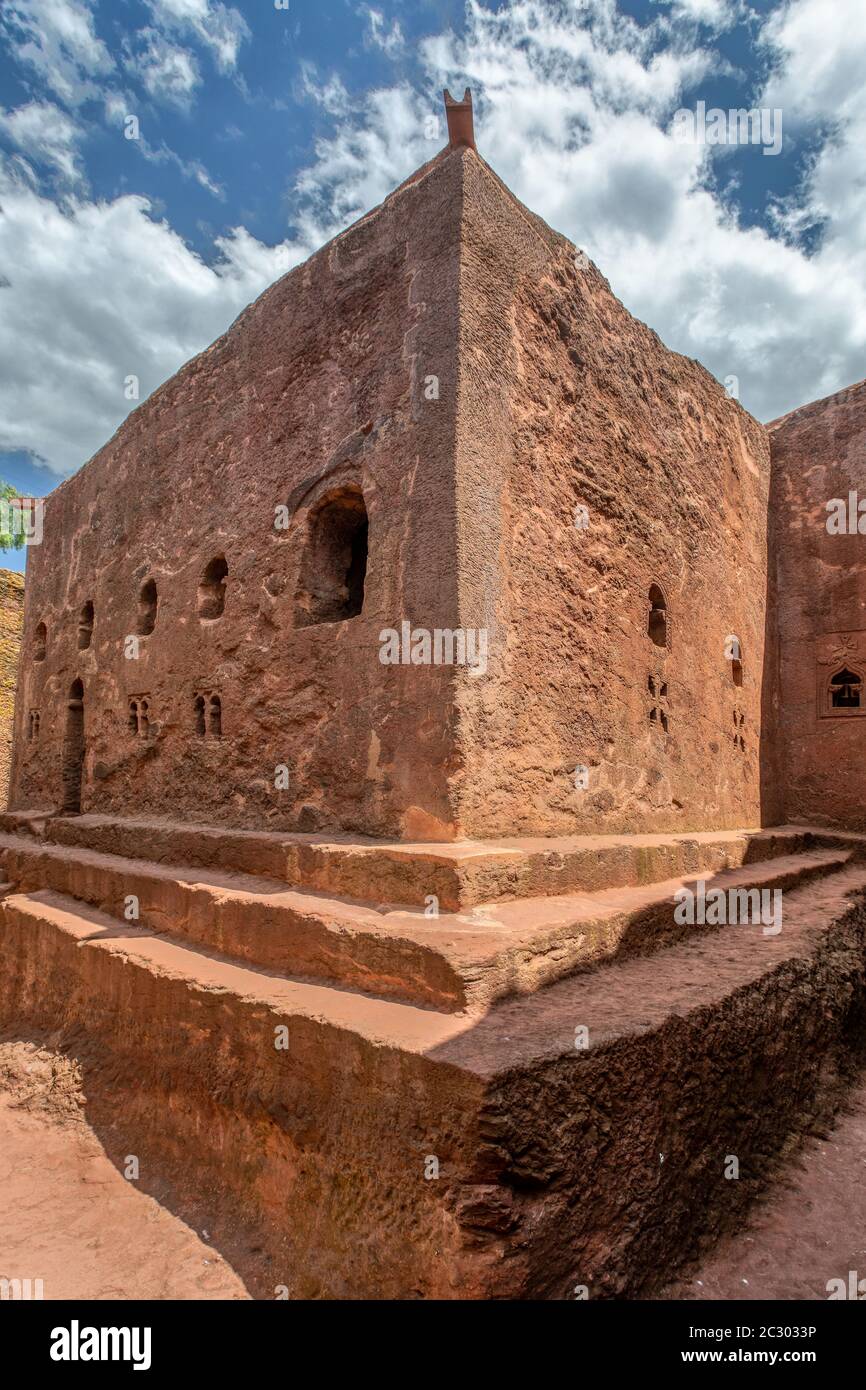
(459, 117)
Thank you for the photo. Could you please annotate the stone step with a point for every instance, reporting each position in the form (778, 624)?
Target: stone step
(460, 874)
(453, 962)
(557, 1165)
(25, 822)
(246, 917)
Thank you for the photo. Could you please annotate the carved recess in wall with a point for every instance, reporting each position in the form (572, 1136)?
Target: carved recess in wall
(840, 685)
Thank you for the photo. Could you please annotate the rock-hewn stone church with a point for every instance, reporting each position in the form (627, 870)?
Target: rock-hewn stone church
(384, 679)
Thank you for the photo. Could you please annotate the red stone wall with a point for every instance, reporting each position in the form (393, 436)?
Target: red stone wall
(819, 454)
(319, 384)
(549, 396)
(568, 401)
(11, 620)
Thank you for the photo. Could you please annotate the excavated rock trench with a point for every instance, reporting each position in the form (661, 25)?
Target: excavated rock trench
(69, 1217)
(260, 1170)
(809, 1231)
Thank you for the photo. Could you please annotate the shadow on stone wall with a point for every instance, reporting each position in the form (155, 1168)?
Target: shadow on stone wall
(11, 624)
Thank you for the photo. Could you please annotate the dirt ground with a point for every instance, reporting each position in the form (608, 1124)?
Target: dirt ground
(811, 1228)
(69, 1218)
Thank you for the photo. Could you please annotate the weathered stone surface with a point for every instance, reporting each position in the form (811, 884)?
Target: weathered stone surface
(11, 624)
(446, 366)
(309, 1165)
(819, 454)
(316, 391)
(566, 400)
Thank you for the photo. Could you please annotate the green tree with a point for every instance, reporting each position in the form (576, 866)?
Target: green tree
(9, 539)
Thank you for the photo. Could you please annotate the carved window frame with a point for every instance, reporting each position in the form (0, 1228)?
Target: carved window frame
(826, 710)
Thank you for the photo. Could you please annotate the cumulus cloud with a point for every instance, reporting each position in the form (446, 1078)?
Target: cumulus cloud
(380, 35)
(58, 42)
(221, 28)
(167, 73)
(100, 291)
(574, 110)
(329, 93)
(358, 167)
(41, 131)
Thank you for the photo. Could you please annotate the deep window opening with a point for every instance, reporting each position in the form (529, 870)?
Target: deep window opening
(199, 716)
(73, 748)
(215, 717)
(212, 588)
(147, 606)
(85, 627)
(334, 564)
(40, 642)
(845, 689)
(657, 623)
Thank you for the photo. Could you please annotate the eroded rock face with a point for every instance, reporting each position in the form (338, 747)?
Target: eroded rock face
(11, 620)
(443, 423)
(818, 483)
(611, 626)
(218, 576)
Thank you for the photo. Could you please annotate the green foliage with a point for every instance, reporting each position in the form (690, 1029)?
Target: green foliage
(10, 540)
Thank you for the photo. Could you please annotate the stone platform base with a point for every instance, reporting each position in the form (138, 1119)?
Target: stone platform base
(524, 1094)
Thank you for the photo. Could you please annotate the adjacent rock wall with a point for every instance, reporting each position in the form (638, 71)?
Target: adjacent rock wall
(819, 454)
(568, 401)
(11, 621)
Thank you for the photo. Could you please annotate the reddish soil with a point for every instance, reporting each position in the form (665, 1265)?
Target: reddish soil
(810, 1229)
(68, 1217)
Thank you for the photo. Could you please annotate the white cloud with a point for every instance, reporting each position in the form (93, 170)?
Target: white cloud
(98, 291)
(363, 162)
(58, 41)
(390, 40)
(118, 106)
(788, 324)
(717, 15)
(221, 28)
(573, 110)
(820, 56)
(168, 73)
(190, 168)
(45, 133)
(330, 94)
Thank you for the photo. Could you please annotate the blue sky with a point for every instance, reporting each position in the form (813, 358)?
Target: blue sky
(263, 131)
